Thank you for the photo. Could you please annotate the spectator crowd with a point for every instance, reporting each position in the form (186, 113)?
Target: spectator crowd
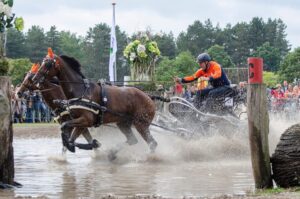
(30, 108)
(284, 97)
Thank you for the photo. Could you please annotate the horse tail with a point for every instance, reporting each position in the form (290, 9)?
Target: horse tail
(160, 98)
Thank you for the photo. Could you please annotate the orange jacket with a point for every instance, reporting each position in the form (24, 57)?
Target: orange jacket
(216, 74)
(214, 71)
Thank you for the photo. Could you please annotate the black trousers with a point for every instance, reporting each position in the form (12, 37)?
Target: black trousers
(201, 95)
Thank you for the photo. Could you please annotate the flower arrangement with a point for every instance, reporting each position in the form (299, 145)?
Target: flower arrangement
(7, 18)
(142, 55)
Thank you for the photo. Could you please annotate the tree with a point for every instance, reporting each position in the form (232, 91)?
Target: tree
(184, 64)
(53, 40)
(280, 40)
(71, 45)
(256, 32)
(270, 79)
(166, 44)
(198, 37)
(218, 54)
(270, 55)
(290, 67)
(96, 47)
(15, 45)
(35, 42)
(18, 69)
(7, 20)
(239, 49)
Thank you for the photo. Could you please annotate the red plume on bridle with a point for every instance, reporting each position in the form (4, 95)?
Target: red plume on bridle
(50, 53)
(34, 68)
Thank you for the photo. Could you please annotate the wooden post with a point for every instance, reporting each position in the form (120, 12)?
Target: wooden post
(6, 133)
(258, 122)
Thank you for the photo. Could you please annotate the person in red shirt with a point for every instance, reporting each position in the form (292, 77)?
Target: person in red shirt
(210, 71)
(178, 89)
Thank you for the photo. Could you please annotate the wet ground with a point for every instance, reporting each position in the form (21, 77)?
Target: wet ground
(205, 167)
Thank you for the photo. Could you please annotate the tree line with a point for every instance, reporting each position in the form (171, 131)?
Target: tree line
(231, 46)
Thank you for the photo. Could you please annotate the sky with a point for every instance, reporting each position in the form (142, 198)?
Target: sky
(77, 16)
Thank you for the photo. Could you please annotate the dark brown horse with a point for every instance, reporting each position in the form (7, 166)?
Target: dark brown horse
(51, 91)
(124, 106)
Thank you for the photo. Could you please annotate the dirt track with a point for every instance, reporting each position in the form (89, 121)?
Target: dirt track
(36, 130)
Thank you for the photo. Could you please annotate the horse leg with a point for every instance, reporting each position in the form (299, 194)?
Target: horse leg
(77, 122)
(65, 136)
(70, 124)
(144, 131)
(125, 128)
(87, 135)
(92, 143)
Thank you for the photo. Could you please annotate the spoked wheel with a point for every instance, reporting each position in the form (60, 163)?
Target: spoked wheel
(181, 108)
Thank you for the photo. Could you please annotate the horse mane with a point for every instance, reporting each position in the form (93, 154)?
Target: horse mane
(73, 63)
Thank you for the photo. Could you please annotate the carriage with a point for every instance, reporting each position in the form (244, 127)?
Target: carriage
(193, 118)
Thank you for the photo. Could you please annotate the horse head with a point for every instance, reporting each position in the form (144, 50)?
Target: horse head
(48, 69)
(27, 83)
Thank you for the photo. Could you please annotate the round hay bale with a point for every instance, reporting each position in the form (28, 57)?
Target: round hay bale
(286, 159)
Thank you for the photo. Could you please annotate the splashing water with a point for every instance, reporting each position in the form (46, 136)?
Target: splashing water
(218, 163)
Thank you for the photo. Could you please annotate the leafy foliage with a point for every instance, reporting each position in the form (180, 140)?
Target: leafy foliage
(270, 78)
(35, 44)
(239, 41)
(184, 64)
(219, 54)
(290, 67)
(18, 69)
(53, 40)
(270, 55)
(4, 66)
(166, 43)
(70, 44)
(15, 46)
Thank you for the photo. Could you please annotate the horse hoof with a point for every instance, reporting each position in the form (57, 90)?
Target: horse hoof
(96, 144)
(65, 139)
(153, 146)
(5, 186)
(112, 155)
(71, 147)
(18, 185)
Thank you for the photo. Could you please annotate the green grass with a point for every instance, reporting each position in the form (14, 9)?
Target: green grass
(274, 191)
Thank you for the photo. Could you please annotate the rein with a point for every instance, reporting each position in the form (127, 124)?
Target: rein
(44, 90)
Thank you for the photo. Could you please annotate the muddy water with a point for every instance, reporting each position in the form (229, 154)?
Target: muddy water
(208, 166)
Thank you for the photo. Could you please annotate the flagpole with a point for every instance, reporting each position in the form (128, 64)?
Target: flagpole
(113, 50)
(114, 23)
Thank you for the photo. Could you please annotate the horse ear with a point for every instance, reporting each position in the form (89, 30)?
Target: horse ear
(50, 53)
(34, 68)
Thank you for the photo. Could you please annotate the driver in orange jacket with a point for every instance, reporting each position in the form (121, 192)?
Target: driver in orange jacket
(213, 73)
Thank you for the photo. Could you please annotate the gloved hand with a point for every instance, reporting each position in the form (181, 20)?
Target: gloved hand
(204, 78)
(177, 79)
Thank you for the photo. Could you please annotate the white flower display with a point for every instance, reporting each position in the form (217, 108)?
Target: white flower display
(8, 18)
(132, 56)
(1, 7)
(140, 48)
(142, 54)
(7, 10)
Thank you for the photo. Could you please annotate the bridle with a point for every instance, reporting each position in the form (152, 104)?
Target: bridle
(43, 71)
(49, 63)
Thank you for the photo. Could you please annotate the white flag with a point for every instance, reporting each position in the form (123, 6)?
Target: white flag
(113, 51)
